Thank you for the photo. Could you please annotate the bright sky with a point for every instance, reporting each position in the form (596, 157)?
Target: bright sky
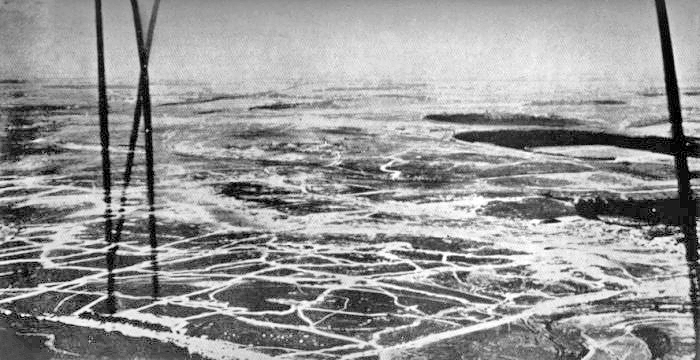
(226, 40)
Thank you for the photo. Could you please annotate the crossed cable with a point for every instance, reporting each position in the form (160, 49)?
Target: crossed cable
(143, 108)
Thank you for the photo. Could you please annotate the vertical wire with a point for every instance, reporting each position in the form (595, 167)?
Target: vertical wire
(106, 166)
(151, 216)
(685, 193)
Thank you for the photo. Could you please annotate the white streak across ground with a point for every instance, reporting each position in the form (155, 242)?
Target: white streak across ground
(336, 233)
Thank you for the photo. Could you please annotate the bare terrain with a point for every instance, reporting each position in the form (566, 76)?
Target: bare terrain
(342, 223)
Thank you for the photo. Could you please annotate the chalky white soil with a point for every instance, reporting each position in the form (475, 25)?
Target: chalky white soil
(343, 225)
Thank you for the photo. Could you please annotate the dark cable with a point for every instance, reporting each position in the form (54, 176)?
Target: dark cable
(685, 193)
(104, 142)
(148, 134)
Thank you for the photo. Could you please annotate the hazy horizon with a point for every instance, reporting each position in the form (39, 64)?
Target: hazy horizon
(224, 41)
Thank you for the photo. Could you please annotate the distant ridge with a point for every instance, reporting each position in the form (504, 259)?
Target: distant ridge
(504, 119)
(526, 139)
(12, 81)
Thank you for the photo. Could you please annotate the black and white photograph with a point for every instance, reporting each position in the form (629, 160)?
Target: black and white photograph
(349, 180)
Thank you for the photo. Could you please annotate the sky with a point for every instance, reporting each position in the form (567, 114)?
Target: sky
(228, 41)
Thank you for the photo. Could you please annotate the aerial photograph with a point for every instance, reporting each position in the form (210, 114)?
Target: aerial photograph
(350, 180)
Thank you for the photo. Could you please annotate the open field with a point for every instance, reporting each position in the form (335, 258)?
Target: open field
(341, 223)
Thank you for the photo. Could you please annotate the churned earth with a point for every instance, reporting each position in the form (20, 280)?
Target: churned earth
(342, 223)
